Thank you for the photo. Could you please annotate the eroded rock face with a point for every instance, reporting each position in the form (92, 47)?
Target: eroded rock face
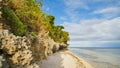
(18, 48)
(43, 48)
(23, 52)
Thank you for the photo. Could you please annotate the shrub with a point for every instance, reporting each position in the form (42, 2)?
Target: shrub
(17, 27)
(56, 32)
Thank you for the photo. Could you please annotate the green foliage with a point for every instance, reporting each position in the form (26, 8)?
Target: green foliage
(50, 19)
(33, 34)
(18, 28)
(56, 32)
(31, 14)
(28, 12)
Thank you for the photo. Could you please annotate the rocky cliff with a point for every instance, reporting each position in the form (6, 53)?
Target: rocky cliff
(19, 52)
(25, 50)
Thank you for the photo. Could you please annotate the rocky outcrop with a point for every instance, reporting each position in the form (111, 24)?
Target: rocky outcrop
(24, 52)
(15, 48)
(42, 48)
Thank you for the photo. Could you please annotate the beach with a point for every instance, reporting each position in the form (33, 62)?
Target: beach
(64, 59)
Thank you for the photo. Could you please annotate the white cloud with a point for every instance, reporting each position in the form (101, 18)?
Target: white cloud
(108, 12)
(106, 8)
(86, 32)
(94, 43)
(102, 30)
(74, 4)
(72, 14)
(94, 30)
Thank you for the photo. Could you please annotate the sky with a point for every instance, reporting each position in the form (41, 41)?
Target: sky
(90, 23)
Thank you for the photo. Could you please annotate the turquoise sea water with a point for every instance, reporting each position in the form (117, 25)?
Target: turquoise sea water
(99, 57)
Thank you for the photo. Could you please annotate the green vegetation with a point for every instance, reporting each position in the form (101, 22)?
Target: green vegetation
(56, 32)
(29, 13)
(25, 16)
(18, 28)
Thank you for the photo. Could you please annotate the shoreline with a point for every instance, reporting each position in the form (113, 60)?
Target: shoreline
(64, 59)
(84, 62)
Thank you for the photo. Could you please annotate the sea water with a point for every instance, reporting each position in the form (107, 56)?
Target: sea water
(99, 57)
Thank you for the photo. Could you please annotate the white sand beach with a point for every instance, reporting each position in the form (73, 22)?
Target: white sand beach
(64, 59)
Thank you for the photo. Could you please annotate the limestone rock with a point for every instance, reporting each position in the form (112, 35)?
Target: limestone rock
(17, 47)
(24, 52)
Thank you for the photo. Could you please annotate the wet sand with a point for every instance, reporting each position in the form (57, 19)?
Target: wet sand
(64, 59)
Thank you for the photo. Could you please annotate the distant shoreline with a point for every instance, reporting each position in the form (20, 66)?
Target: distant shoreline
(96, 47)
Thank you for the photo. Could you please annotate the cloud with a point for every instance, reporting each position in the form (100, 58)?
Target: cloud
(94, 43)
(73, 15)
(81, 9)
(75, 4)
(72, 6)
(108, 12)
(94, 30)
(92, 22)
